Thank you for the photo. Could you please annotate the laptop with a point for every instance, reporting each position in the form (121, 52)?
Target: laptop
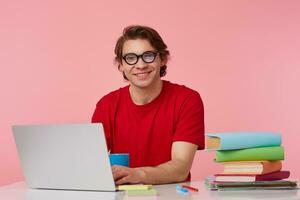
(64, 156)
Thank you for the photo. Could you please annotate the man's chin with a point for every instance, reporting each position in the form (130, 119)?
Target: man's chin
(142, 83)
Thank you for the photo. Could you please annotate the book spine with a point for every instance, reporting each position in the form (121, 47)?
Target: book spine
(262, 153)
(249, 140)
(273, 176)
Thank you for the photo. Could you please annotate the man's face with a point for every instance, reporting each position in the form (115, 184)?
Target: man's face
(141, 74)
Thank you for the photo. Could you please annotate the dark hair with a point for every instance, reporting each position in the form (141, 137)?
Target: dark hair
(142, 32)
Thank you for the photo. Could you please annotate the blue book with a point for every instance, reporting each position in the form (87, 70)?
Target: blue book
(241, 140)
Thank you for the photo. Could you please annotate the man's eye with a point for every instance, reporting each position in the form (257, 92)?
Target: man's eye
(130, 57)
(148, 55)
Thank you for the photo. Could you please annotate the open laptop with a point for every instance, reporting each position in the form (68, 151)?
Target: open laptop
(65, 156)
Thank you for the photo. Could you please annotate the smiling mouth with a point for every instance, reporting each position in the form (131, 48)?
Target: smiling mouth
(142, 73)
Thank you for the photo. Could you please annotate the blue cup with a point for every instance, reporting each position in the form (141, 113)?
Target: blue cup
(119, 159)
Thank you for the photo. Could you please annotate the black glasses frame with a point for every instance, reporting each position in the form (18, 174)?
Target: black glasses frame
(140, 56)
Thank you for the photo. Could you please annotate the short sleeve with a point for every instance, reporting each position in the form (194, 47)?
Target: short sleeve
(190, 123)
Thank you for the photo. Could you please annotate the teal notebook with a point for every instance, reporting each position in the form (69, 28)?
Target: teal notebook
(241, 140)
(252, 154)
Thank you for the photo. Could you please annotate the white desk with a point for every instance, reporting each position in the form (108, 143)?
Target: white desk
(19, 191)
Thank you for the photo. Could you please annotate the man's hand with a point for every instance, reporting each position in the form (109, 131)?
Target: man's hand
(124, 175)
(175, 170)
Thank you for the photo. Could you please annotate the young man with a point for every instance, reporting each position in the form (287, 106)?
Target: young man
(160, 124)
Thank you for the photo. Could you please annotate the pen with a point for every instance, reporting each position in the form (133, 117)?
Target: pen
(190, 188)
(182, 190)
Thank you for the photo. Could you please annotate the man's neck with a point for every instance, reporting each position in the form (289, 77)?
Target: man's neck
(142, 96)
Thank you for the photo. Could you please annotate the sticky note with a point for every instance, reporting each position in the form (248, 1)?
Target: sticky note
(141, 192)
(134, 187)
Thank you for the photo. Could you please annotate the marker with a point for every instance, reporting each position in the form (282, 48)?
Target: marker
(182, 190)
(190, 188)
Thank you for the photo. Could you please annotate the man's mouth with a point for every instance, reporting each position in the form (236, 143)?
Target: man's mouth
(141, 74)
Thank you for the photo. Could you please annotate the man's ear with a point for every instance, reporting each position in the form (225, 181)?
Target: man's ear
(163, 62)
(120, 67)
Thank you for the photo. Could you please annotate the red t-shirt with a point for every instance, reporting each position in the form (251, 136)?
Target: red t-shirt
(147, 131)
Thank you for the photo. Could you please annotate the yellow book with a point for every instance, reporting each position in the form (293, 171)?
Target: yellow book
(134, 187)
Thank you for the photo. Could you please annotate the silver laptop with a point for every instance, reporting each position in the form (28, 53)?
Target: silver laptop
(65, 156)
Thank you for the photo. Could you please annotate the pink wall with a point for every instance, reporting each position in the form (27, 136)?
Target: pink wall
(242, 56)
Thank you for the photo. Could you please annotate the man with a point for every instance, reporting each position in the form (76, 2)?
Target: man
(160, 124)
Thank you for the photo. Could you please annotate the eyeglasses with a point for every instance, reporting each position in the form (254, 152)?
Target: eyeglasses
(147, 57)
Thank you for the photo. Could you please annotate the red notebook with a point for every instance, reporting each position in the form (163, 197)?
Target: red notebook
(252, 177)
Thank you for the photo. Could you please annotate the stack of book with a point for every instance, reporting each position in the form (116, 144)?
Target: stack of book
(251, 160)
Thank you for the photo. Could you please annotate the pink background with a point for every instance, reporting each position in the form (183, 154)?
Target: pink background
(56, 61)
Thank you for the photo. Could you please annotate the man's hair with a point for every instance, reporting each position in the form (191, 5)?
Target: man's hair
(146, 33)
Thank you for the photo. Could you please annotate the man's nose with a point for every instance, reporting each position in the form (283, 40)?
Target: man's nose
(140, 63)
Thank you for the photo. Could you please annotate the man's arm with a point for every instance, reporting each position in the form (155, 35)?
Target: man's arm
(175, 170)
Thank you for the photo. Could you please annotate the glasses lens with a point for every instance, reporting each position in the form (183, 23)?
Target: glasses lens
(131, 58)
(148, 57)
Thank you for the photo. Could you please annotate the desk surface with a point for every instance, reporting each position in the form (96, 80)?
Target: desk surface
(19, 191)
